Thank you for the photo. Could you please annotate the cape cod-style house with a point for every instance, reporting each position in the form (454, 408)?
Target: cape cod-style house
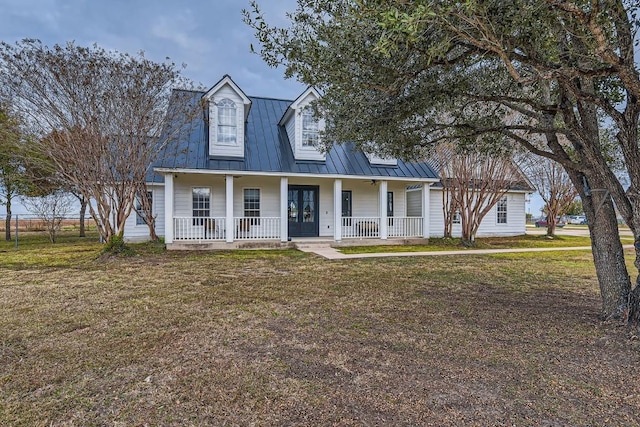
(247, 169)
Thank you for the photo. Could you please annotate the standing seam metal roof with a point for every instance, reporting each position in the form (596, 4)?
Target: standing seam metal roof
(267, 148)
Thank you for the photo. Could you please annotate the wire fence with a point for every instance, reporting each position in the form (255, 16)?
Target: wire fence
(28, 222)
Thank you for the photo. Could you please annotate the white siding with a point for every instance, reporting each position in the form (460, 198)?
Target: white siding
(140, 232)
(226, 150)
(516, 218)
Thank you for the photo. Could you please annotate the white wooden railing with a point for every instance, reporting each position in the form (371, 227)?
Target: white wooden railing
(199, 228)
(256, 228)
(214, 228)
(360, 227)
(404, 227)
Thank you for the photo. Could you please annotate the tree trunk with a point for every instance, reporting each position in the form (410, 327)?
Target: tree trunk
(7, 221)
(83, 211)
(551, 225)
(608, 254)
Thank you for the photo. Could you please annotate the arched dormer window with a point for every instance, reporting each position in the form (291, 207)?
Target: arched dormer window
(310, 134)
(227, 122)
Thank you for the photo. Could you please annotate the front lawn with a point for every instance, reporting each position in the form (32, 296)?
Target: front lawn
(286, 338)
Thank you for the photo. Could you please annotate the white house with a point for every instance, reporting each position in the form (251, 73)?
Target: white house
(247, 169)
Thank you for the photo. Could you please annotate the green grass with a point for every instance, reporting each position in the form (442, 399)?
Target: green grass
(286, 338)
(441, 244)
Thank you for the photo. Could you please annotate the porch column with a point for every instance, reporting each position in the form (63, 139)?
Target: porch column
(229, 207)
(337, 210)
(426, 187)
(383, 210)
(284, 213)
(168, 208)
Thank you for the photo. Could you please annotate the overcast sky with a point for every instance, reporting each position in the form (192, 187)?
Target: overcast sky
(206, 35)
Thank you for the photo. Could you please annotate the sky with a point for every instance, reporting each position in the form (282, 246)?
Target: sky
(208, 36)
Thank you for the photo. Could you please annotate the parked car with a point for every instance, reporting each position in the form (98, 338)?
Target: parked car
(542, 222)
(577, 219)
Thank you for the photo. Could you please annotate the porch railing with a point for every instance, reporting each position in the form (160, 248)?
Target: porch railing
(214, 228)
(199, 228)
(247, 228)
(360, 227)
(404, 227)
(353, 227)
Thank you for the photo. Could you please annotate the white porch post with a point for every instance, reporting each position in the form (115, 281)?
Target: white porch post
(168, 208)
(229, 207)
(337, 210)
(426, 187)
(284, 213)
(383, 210)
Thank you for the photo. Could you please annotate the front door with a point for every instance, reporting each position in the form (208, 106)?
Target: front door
(303, 211)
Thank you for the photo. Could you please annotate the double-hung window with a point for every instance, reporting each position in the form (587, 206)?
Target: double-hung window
(252, 204)
(501, 211)
(310, 130)
(201, 203)
(140, 214)
(227, 122)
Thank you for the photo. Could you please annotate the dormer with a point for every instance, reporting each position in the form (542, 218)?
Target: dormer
(370, 148)
(381, 161)
(228, 112)
(303, 129)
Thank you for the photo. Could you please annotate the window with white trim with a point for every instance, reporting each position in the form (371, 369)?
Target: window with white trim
(201, 204)
(310, 129)
(252, 202)
(227, 122)
(501, 211)
(140, 220)
(457, 218)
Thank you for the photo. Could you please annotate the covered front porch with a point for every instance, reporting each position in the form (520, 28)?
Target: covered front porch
(207, 208)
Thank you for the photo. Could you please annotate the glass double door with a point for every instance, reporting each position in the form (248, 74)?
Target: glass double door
(302, 211)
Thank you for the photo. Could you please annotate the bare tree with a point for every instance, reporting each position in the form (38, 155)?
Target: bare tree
(102, 116)
(474, 182)
(553, 184)
(52, 208)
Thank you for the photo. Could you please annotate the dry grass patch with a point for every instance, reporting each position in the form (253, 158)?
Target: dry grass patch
(285, 338)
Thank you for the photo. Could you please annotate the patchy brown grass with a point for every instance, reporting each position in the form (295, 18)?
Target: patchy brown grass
(285, 338)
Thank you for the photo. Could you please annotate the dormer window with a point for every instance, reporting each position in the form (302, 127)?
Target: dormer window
(310, 130)
(227, 122)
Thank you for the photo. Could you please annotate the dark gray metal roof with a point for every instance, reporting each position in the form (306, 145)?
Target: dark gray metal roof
(267, 148)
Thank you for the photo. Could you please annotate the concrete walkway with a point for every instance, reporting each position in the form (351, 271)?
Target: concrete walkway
(328, 252)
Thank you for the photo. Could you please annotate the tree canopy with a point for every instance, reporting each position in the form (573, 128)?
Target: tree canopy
(400, 77)
(99, 117)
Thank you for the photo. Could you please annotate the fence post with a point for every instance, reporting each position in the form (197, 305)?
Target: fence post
(16, 231)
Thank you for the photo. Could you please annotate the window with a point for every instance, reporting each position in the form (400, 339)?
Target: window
(139, 213)
(501, 209)
(457, 218)
(310, 134)
(252, 202)
(346, 207)
(390, 206)
(201, 199)
(227, 122)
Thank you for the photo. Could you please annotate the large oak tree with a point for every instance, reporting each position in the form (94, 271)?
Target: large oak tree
(411, 74)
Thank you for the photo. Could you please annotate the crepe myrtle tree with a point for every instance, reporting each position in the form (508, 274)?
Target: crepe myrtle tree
(409, 75)
(473, 182)
(553, 185)
(101, 116)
